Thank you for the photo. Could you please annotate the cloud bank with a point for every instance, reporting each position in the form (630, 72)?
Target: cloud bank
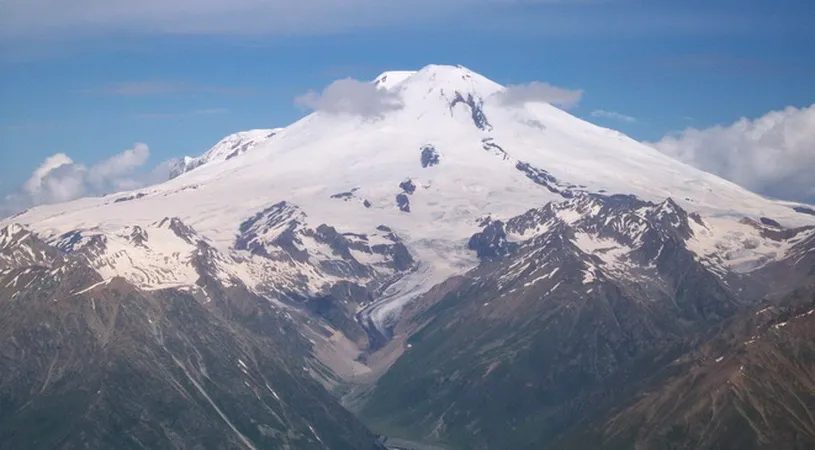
(773, 155)
(60, 179)
(351, 97)
(537, 91)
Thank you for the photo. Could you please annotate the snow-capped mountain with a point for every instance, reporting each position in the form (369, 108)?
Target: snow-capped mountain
(513, 252)
(391, 200)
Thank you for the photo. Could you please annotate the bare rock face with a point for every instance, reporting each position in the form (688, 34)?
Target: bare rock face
(430, 156)
(408, 187)
(476, 109)
(403, 202)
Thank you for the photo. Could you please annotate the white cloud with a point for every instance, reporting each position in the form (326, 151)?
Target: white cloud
(613, 115)
(540, 92)
(773, 155)
(59, 179)
(113, 169)
(34, 184)
(350, 96)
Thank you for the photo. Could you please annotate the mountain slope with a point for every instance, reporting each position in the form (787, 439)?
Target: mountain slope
(574, 301)
(747, 384)
(100, 364)
(568, 294)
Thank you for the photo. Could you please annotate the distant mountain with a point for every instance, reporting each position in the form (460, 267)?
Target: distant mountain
(462, 266)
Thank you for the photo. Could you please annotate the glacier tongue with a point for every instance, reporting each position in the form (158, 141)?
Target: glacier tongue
(348, 173)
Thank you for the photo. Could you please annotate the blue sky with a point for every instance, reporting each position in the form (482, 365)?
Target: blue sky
(93, 78)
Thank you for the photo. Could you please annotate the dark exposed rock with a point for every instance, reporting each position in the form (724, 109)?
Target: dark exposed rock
(670, 216)
(770, 222)
(339, 245)
(344, 196)
(398, 253)
(275, 214)
(130, 197)
(496, 149)
(83, 243)
(804, 210)
(408, 186)
(491, 242)
(403, 202)
(138, 236)
(180, 229)
(483, 221)
(290, 243)
(542, 178)
(351, 195)
(430, 157)
(278, 216)
(476, 109)
(539, 176)
(69, 241)
(239, 149)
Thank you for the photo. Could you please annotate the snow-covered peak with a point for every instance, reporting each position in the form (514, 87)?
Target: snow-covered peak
(388, 80)
(435, 81)
(439, 78)
(228, 148)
